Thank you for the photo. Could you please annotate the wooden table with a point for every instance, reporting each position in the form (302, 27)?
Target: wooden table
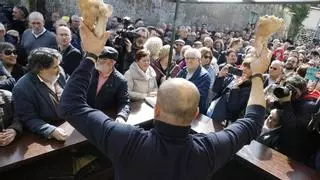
(273, 164)
(30, 147)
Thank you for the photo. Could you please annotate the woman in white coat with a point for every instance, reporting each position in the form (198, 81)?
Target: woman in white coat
(141, 77)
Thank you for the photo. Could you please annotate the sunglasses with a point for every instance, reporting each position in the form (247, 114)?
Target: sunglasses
(9, 52)
(273, 68)
(207, 57)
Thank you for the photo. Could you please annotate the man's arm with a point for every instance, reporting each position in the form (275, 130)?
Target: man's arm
(109, 136)
(123, 100)
(241, 132)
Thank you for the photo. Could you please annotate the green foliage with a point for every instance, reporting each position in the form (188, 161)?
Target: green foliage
(300, 13)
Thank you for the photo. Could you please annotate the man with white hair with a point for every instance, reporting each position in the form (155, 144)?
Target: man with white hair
(37, 36)
(275, 73)
(195, 73)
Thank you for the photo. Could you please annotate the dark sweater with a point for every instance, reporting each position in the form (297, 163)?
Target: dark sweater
(30, 42)
(164, 152)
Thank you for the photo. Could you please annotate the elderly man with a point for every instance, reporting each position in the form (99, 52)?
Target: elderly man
(108, 89)
(275, 73)
(199, 76)
(37, 36)
(71, 56)
(178, 44)
(37, 94)
(167, 151)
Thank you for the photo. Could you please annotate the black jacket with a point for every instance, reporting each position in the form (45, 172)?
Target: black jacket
(33, 105)
(295, 140)
(113, 94)
(71, 58)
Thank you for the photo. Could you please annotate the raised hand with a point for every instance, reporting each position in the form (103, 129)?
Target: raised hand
(90, 42)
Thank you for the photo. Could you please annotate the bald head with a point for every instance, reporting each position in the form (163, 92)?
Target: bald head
(177, 101)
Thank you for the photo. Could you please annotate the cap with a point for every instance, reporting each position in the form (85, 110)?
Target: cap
(179, 41)
(110, 53)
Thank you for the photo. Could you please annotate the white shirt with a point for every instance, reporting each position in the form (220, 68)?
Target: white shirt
(36, 36)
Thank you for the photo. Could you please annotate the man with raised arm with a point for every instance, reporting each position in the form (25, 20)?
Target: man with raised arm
(167, 151)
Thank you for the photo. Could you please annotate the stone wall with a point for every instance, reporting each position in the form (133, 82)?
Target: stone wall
(234, 16)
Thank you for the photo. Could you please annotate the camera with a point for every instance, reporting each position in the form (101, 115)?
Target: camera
(5, 14)
(126, 32)
(284, 91)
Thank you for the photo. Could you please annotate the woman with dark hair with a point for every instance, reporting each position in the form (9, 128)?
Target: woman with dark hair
(141, 77)
(231, 94)
(8, 57)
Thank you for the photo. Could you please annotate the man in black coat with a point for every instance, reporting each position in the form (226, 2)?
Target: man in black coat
(108, 88)
(37, 94)
(71, 56)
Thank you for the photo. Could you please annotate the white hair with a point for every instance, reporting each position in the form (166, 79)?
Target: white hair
(36, 15)
(192, 53)
(153, 45)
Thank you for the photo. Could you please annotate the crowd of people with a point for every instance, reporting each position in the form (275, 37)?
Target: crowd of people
(38, 59)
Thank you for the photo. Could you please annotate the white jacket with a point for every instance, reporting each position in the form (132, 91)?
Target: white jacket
(140, 83)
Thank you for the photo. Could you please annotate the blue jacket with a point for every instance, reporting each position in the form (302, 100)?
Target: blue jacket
(164, 152)
(112, 95)
(233, 100)
(202, 80)
(33, 105)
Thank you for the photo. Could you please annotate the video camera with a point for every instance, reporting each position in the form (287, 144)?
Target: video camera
(284, 91)
(126, 32)
(5, 13)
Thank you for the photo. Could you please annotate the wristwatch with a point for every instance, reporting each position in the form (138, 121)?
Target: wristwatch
(258, 75)
(91, 56)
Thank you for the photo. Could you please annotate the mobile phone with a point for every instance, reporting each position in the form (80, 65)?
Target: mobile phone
(234, 71)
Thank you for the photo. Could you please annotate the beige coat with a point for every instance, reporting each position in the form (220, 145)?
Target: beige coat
(140, 83)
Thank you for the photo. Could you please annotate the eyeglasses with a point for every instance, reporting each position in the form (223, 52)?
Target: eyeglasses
(8, 52)
(207, 57)
(273, 68)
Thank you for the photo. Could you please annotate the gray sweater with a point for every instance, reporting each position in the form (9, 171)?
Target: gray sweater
(30, 42)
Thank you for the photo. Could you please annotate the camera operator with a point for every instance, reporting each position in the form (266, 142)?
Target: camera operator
(137, 44)
(295, 140)
(122, 42)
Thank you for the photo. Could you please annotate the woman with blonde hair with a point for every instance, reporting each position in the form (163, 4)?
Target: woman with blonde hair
(153, 45)
(161, 65)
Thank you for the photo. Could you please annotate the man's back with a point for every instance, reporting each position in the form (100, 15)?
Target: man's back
(165, 152)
